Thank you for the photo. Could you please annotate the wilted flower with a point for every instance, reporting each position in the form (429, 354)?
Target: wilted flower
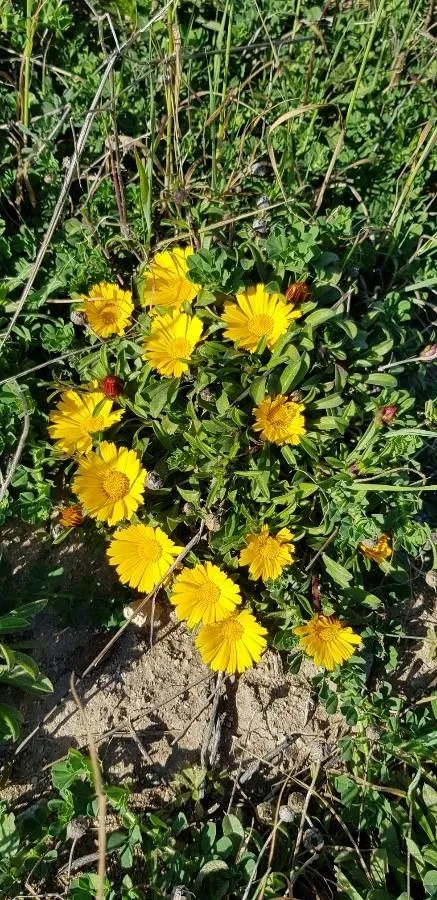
(71, 516)
(378, 550)
(429, 352)
(387, 414)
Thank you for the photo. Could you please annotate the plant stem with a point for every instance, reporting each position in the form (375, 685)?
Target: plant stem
(367, 50)
(168, 100)
(28, 47)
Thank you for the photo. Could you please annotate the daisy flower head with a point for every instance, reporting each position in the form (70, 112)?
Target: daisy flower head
(171, 342)
(233, 644)
(204, 594)
(77, 417)
(110, 483)
(327, 640)
(166, 282)
(378, 550)
(267, 554)
(279, 420)
(142, 556)
(108, 309)
(255, 315)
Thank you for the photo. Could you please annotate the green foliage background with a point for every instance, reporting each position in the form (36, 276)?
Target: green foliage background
(280, 160)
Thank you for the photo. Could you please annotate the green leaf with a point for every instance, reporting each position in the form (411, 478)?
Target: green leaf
(337, 572)
(291, 370)
(11, 721)
(320, 316)
(232, 826)
(382, 379)
(430, 882)
(9, 837)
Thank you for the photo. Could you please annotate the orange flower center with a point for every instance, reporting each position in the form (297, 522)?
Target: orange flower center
(268, 548)
(151, 552)
(326, 628)
(278, 416)
(260, 326)
(109, 314)
(180, 348)
(115, 484)
(231, 629)
(94, 423)
(208, 592)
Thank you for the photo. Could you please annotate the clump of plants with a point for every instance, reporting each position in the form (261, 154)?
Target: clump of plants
(262, 411)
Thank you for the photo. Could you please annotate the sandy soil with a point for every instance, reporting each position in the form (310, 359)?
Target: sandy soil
(149, 706)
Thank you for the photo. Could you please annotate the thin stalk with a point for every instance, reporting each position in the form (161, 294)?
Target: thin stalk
(28, 47)
(168, 100)
(357, 84)
(221, 128)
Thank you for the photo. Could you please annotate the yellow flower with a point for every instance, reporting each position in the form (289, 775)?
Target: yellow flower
(379, 550)
(110, 483)
(171, 342)
(108, 309)
(204, 594)
(142, 556)
(77, 417)
(166, 282)
(327, 640)
(256, 315)
(266, 555)
(233, 644)
(279, 420)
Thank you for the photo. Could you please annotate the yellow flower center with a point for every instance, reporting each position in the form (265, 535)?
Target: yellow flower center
(232, 630)
(268, 548)
(328, 629)
(260, 326)
(278, 416)
(109, 314)
(180, 348)
(151, 552)
(208, 592)
(94, 423)
(115, 484)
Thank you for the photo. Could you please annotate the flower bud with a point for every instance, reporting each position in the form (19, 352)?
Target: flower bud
(386, 414)
(429, 353)
(112, 386)
(71, 516)
(297, 292)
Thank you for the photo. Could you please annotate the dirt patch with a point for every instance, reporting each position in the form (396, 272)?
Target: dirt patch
(149, 707)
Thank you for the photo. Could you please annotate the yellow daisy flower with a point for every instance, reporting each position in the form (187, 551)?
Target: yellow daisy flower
(279, 420)
(256, 315)
(171, 342)
(77, 417)
(142, 556)
(379, 550)
(204, 594)
(110, 483)
(327, 640)
(267, 555)
(166, 283)
(232, 645)
(108, 309)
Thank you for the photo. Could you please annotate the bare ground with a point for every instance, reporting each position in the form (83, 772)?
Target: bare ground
(148, 704)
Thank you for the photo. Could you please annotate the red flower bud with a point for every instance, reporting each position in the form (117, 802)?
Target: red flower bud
(387, 414)
(112, 386)
(297, 292)
(429, 353)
